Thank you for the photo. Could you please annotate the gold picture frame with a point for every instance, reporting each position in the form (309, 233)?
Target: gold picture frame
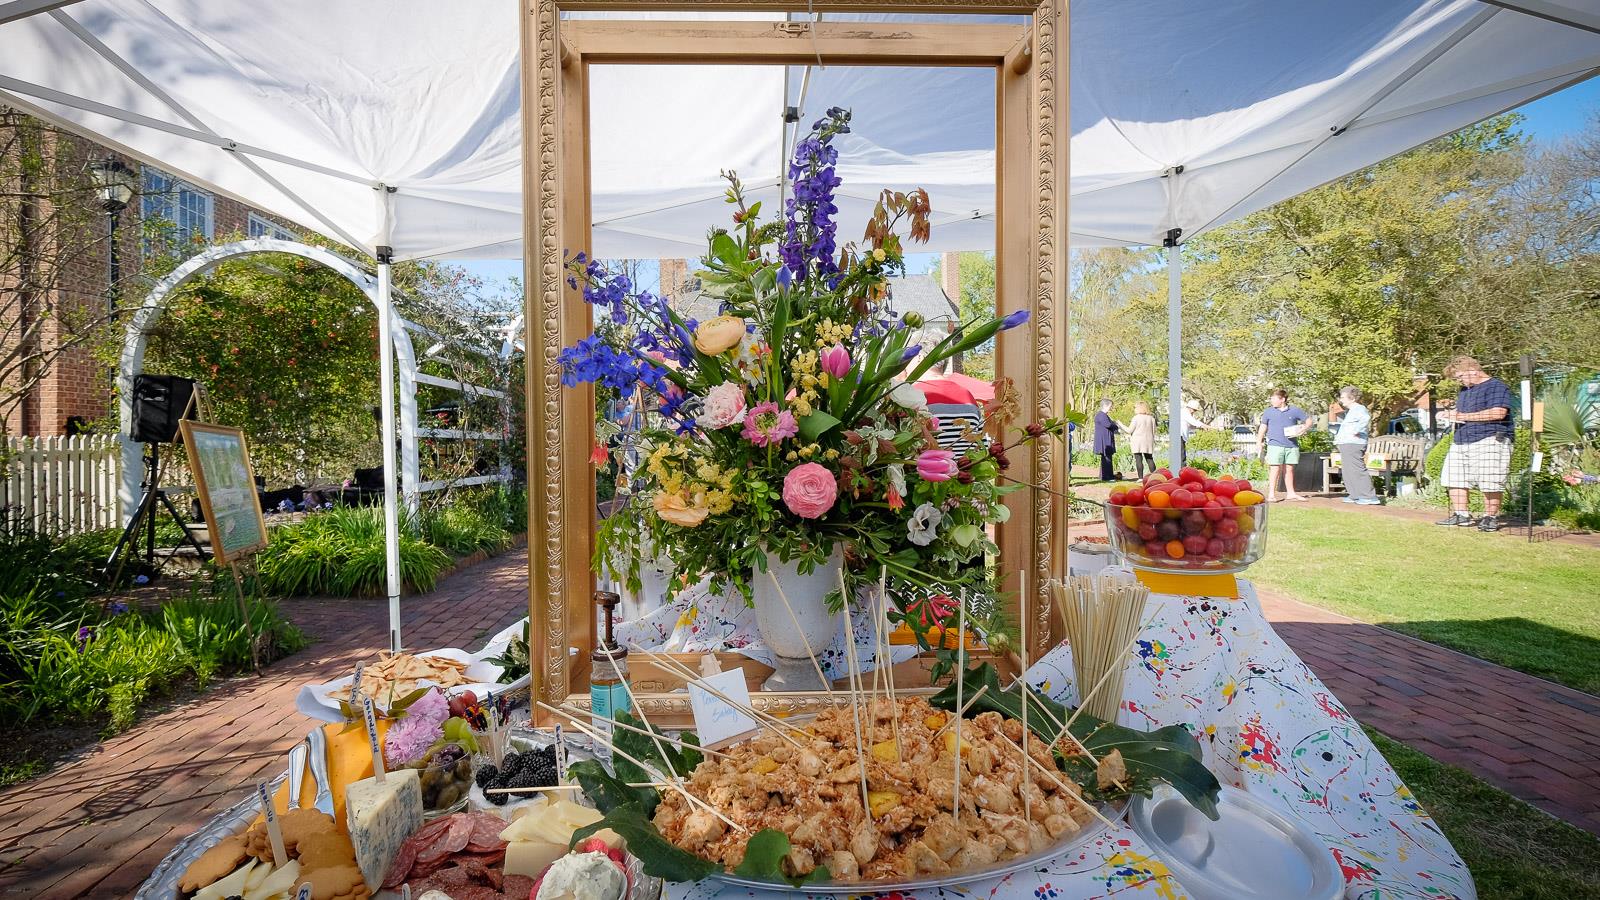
(225, 482)
(1032, 139)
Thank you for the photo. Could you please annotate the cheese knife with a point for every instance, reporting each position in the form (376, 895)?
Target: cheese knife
(297, 773)
(319, 770)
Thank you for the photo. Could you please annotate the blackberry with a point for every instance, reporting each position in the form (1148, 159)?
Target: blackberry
(486, 776)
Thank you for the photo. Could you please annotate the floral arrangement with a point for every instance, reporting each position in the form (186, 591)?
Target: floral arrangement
(788, 425)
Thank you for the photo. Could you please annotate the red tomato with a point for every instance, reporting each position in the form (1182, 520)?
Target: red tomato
(1147, 532)
(1212, 510)
(1180, 499)
(1165, 473)
(1135, 496)
(1211, 485)
(1224, 502)
(1194, 544)
(1118, 498)
(1239, 546)
(1190, 473)
(1225, 488)
(1242, 485)
(1155, 550)
(1227, 528)
(1193, 521)
(1150, 516)
(1216, 547)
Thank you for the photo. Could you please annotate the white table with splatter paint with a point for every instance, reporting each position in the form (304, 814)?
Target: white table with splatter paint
(1266, 724)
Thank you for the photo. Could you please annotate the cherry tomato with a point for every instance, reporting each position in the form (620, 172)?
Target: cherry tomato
(1210, 485)
(1130, 518)
(1216, 547)
(1135, 496)
(1180, 499)
(1155, 550)
(1150, 516)
(1168, 531)
(1118, 497)
(1159, 499)
(1194, 544)
(1225, 488)
(1193, 521)
(1224, 502)
(1175, 549)
(1190, 473)
(1247, 498)
(1212, 510)
(1165, 473)
(1147, 532)
(1227, 528)
(1242, 484)
(1247, 523)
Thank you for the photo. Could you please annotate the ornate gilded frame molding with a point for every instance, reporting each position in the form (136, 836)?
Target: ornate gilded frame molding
(1031, 250)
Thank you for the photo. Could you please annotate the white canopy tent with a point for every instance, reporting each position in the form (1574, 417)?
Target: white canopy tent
(395, 124)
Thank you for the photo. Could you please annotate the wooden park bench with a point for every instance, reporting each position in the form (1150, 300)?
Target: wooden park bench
(1395, 456)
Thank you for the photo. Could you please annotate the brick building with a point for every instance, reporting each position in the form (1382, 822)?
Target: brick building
(76, 388)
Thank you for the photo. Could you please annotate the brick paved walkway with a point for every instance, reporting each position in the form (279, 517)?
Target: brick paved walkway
(97, 826)
(1532, 738)
(101, 823)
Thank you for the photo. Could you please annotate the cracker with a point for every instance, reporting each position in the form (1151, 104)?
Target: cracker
(214, 864)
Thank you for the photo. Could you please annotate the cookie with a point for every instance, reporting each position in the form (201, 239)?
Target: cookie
(321, 851)
(214, 864)
(332, 882)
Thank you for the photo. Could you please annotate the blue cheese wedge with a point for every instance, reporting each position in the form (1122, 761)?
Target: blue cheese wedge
(381, 817)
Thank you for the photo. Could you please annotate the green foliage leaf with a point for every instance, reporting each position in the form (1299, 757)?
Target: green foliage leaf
(660, 856)
(1169, 754)
(817, 424)
(764, 853)
(611, 791)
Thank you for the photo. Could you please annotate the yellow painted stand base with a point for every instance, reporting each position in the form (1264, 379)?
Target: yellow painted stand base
(1186, 585)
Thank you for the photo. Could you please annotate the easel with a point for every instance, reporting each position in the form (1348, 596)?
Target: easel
(219, 551)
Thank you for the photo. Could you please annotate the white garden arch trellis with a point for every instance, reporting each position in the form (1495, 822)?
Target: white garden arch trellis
(394, 344)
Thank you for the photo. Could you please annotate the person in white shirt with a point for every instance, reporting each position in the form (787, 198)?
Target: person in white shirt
(1190, 424)
(1351, 439)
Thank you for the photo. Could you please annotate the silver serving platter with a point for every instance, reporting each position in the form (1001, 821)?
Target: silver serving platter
(1084, 835)
(1252, 852)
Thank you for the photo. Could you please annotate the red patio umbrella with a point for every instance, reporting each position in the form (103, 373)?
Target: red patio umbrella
(981, 390)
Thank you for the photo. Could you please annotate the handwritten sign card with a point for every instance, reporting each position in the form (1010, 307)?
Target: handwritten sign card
(714, 719)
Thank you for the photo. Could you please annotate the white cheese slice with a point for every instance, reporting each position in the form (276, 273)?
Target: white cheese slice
(553, 824)
(228, 886)
(530, 857)
(380, 817)
(280, 882)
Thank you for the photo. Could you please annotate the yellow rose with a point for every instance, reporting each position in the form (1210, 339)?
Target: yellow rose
(719, 335)
(879, 255)
(671, 507)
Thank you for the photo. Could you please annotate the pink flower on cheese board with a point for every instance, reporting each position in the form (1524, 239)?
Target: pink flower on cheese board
(724, 406)
(835, 361)
(936, 465)
(765, 424)
(809, 490)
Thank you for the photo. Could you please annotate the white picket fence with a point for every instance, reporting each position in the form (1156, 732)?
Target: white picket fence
(62, 485)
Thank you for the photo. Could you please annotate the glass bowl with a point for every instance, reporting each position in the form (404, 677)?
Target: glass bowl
(446, 777)
(1204, 541)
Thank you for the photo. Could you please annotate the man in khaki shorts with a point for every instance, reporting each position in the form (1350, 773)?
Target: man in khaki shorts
(1480, 452)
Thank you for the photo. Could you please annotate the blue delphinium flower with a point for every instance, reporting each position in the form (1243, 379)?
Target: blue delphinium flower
(809, 232)
(1012, 321)
(116, 607)
(84, 636)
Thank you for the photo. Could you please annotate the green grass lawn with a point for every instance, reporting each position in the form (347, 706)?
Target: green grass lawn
(1515, 852)
(1531, 607)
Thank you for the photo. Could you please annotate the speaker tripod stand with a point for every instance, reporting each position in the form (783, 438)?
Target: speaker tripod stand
(144, 520)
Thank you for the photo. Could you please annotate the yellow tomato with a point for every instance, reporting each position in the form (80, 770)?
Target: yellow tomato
(1247, 523)
(1247, 498)
(1130, 517)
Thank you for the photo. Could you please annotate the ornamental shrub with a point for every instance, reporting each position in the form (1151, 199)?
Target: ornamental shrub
(1211, 440)
(1317, 440)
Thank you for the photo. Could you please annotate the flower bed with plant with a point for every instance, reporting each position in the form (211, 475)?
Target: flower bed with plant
(67, 657)
(788, 427)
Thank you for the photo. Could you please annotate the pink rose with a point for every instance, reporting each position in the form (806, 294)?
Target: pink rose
(936, 465)
(724, 406)
(835, 361)
(809, 490)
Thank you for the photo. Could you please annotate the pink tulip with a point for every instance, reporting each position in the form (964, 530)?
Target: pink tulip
(836, 361)
(936, 465)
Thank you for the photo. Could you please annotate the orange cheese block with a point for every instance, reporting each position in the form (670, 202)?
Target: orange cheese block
(349, 760)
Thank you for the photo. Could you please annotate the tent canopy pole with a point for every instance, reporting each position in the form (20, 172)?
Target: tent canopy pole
(1175, 427)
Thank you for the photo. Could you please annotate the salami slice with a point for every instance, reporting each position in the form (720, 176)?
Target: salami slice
(400, 869)
(453, 840)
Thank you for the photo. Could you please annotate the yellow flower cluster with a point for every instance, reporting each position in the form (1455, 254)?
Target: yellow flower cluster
(680, 473)
(808, 451)
(807, 380)
(829, 334)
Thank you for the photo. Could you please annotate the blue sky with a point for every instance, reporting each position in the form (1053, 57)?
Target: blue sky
(1549, 119)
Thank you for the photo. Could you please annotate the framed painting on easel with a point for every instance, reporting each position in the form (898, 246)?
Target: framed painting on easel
(225, 482)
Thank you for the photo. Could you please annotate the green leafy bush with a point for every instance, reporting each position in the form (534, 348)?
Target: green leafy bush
(463, 529)
(60, 664)
(1210, 440)
(341, 552)
(1317, 440)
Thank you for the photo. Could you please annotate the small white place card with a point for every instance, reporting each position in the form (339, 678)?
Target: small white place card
(714, 718)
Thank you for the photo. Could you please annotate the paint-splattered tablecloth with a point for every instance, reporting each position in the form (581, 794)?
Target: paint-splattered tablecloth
(1267, 725)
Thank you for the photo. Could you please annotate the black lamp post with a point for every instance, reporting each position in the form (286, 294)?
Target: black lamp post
(114, 184)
